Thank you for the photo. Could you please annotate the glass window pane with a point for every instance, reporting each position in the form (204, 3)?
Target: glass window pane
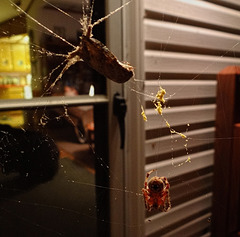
(35, 51)
(47, 178)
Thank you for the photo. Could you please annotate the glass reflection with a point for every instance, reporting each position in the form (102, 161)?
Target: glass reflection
(47, 178)
(33, 59)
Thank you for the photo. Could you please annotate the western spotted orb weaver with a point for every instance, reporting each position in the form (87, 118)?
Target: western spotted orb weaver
(156, 193)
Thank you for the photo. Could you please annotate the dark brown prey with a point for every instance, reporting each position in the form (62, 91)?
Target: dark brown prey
(101, 59)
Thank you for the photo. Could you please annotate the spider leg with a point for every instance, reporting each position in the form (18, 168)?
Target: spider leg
(146, 199)
(166, 201)
(145, 194)
(53, 70)
(168, 206)
(147, 176)
(70, 62)
(166, 183)
(111, 13)
(42, 25)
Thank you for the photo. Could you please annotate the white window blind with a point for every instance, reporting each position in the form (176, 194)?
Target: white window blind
(187, 42)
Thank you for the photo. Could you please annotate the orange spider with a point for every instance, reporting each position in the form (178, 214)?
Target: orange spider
(156, 193)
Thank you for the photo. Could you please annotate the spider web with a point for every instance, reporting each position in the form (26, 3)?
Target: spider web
(75, 182)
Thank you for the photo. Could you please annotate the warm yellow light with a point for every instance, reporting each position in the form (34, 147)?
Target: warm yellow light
(91, 91)
(26, 39)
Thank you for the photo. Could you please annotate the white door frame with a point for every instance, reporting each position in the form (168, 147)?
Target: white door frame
(124, 38)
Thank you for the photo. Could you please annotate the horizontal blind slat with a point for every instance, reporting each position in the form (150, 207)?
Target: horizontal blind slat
(208, 234)
(181, 190)
(191, 227)
(171, 62)
(181, 89)
(166, 144)
(190, 36)
(182, 115)
(234, 2)
(168, 168)
(178, 213)
(200, 11)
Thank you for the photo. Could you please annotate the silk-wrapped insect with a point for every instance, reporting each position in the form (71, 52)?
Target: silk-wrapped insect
(101, 59)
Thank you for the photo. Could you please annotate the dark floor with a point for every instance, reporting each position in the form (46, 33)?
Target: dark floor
(64, 206)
